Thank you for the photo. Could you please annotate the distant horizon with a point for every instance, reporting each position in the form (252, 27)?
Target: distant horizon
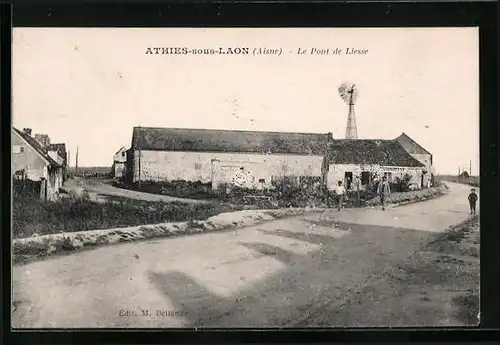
(68, 84)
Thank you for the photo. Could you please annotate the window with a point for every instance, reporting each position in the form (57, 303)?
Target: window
(17, 149)
(365, 178)
(123, 154)
(197, 166)
(262, 180)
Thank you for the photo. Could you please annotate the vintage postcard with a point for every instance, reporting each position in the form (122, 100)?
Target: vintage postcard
(245, 177)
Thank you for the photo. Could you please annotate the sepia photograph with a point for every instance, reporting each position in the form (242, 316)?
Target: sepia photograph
(245, 177)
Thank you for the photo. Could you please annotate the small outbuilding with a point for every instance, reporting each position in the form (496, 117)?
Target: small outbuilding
(119, 162)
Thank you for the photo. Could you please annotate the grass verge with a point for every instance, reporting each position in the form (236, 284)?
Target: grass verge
(445, 273)
(33, 217)
(25, 250)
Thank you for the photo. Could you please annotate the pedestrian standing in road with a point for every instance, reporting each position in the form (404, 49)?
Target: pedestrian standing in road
(339, 191)
(472, 201)
(383, 191)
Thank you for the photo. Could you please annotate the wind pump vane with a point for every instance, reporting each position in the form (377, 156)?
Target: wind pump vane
(349, 94)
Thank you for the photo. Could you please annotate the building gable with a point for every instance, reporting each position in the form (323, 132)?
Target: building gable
(120, 155)
(20, 145)
(410, 145)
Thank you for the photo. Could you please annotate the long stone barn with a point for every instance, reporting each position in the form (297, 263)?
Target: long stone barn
(217, 156)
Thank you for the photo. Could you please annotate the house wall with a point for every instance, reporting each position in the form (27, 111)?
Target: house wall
(336, 172)
(425, 159)
(29, 160)
(118, 169)
(54, 182)
(199, 166)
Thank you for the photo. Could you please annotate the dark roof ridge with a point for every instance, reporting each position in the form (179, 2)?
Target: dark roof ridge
(227, 130)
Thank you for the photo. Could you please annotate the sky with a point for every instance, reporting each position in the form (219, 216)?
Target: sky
(87, 87)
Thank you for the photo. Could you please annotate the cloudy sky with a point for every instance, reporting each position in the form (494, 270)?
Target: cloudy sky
(89, 87)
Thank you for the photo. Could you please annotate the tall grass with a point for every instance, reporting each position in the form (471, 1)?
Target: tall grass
(32, 216)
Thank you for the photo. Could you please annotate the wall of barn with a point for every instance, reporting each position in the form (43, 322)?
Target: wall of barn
(336, 172)
(25, 157)
(221, 167)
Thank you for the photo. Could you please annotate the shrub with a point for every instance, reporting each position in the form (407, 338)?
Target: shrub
(176, 188)
(401, 184)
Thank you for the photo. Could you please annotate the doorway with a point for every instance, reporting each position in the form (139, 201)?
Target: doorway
(348, 179)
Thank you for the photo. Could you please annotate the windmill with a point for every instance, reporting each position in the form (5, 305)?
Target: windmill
(349, 93)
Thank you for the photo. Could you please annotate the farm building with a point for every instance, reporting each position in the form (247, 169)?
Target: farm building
(420, 154)
(255, 159)
(36, 164)
(360, 161)
(119, 160)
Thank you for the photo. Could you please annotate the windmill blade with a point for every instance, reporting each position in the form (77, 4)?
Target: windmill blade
(344, 92)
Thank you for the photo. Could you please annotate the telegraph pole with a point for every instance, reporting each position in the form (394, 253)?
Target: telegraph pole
(139, 149)
(470, 168)
(76, 163)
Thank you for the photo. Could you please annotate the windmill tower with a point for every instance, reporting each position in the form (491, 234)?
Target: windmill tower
(349, 93)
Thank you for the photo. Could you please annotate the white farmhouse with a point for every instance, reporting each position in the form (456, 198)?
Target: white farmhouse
(365, 159)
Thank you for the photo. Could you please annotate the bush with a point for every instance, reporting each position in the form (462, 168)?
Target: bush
(32, 216)
(176, 188)
(401, 185)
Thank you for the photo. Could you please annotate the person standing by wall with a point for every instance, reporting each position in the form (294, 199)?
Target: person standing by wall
(383, 191)
(339, 192)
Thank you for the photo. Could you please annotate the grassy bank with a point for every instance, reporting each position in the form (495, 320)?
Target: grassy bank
(32, 216)
(410, 197)
(30, 249)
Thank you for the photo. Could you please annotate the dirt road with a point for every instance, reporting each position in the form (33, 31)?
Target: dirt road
(331, 269)
(99, 187)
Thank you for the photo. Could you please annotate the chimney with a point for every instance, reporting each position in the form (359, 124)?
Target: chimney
(27, 131)
(43, 139)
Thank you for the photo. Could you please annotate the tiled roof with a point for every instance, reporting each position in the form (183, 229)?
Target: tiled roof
(210, 140)
(60, 149)
(411, 145)
(37, 147)
(372, 151)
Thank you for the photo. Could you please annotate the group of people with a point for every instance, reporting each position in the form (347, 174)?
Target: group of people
(383, 191)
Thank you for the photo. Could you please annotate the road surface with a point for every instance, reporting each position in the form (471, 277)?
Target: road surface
(330, 269)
